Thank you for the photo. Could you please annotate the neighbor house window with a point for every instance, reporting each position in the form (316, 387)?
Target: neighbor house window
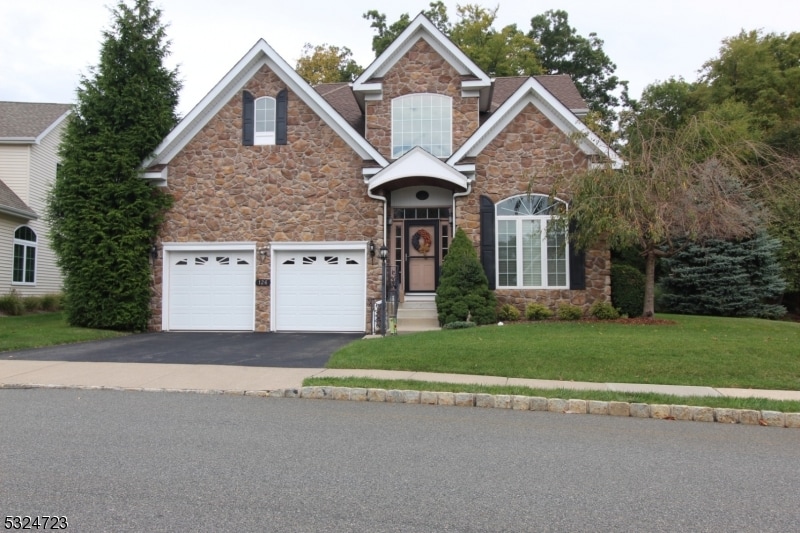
(24, 255)
(264, 121)
(531, 246)
(424, 120)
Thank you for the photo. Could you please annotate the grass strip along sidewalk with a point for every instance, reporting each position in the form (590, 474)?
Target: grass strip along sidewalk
(691, 350)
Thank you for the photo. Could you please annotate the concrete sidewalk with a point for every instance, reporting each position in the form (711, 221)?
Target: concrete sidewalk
(240, 379)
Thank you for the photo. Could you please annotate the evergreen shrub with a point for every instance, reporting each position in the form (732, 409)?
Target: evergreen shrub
(463, 293)
(725, 278)
(508, 313)
(569, 312)
(459, 324)
(627, 290)
(603, 311)
(534, 311)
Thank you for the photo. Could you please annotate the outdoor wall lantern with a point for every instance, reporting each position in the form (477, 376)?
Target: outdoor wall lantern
(153, 252)
(262, 253)
(384, 252)
(371, 247)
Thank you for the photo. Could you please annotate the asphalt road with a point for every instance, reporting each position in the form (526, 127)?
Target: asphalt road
(287, 350)
(126, 461)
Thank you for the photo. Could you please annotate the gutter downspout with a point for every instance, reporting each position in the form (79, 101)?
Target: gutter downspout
(385, 202)
(456, 195)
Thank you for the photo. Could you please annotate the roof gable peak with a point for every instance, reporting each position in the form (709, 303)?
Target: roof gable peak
(368, 84)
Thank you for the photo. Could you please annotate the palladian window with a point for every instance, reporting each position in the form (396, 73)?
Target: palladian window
(424, 120)
(531, 246)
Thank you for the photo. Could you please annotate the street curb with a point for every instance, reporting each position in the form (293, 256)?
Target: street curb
(493, 401)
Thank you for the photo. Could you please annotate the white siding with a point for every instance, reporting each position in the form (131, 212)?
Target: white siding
(14, 166)
(44, 158)
(7, 228)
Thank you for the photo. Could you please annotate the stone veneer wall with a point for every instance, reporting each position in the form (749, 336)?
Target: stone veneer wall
(421, 70)
(308, 190)
(531, 150)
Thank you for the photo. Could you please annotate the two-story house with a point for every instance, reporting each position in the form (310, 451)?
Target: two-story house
(283, 192)
(30, 134)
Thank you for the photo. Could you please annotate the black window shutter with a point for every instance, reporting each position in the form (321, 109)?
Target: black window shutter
(577, 265)
(281, 117)
(248, 118)
(487, 240)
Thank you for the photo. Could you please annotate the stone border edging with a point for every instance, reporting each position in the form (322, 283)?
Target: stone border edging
(722, 415)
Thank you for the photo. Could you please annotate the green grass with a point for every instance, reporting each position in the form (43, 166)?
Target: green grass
(705, 351)
(44, 329)
(757, 404)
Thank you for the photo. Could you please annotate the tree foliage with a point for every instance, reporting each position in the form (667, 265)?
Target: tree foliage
(103, 215)
(463, 292)
(725, 278)
(694, 183)
(327, 64)
(563, 51)
(386, 33)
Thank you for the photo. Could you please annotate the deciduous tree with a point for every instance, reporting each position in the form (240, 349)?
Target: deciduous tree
(327, 64)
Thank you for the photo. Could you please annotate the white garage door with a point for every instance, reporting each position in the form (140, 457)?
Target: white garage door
(320, 290)
(211, 290)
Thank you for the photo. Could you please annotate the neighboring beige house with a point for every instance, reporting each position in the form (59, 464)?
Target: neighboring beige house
(283, 192)
(29, 137)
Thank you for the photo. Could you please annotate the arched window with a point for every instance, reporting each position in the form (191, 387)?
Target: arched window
(24, 256)
(531, 248)
(424, 120)
(264, 120)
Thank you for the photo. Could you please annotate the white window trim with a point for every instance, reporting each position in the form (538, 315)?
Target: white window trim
(545, 222)
(264, 137)
(26, 244)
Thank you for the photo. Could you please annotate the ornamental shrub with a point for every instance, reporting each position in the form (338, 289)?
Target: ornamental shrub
(603, 311)
(725, 278)
(463, 293)
(534, 311)
(569, 312)
(627, 290)
(12, 303)
(508, 313)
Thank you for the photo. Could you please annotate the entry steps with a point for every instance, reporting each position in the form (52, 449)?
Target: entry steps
(417, 315)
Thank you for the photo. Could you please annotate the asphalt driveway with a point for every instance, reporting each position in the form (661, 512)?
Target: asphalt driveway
(289, 350)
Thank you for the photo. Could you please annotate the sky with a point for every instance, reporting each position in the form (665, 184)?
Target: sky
(46, 45)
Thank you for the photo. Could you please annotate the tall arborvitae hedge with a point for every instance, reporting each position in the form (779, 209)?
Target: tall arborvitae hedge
(725, 278)
(463, 291)
(104, 216)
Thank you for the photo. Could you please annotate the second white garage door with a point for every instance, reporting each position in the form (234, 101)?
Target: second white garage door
(319, 290)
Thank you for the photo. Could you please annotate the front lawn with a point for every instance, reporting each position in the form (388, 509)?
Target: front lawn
(44, 329)
(706, 351)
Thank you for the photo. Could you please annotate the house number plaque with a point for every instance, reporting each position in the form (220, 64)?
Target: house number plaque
(262, 282)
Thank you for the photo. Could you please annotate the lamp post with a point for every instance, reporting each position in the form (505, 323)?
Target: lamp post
(384, 251)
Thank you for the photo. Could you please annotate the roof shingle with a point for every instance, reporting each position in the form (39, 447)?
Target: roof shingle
(24, 120)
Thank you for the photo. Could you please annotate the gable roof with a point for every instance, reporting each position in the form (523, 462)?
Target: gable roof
(259, 55)
(560, 85)
(474, 80)
(533, 92)
(28, 122)
(10, 204)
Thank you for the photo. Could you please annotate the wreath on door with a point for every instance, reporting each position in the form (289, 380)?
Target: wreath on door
(421, 241)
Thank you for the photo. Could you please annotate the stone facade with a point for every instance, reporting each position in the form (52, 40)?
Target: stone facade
(308, 190)
(421, 70)
(312, 189)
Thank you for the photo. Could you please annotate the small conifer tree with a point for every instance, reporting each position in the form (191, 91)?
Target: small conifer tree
(104, 217)
(725, 278)
(463, 292)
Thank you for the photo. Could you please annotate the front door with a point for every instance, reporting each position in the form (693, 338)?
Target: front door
(422, 255)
